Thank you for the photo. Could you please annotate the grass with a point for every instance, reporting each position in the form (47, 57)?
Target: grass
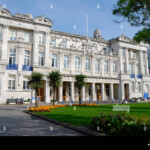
(82, 114)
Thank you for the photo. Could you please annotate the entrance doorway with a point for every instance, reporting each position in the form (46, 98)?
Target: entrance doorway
(99, 96)
(41, 93)
(126, 91)
(64, 93)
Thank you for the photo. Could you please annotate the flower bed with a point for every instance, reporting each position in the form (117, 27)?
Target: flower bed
(45, 108)
(119, 124)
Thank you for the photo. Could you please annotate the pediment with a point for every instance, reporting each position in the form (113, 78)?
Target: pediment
(43, 20)
(5, 12)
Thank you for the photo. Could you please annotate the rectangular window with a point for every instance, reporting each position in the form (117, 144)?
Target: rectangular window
(41, 39)
(13, 35)
(54, 61)
(105, 51)
(12, 56)
(77, 63)
(128, 54)
(11, 83)
(107, 90)
(144, 69)
(87, 64)
(123, 52)
(137, 69)
(26, 37)
(123, 67)
(53, 42)
(27, 58)
(97, 65)
(41, 58)
(130, 68)
(138, 86)
(106, 65)
(66, 62)
(114, 67)
(64, 43)
(26, 85)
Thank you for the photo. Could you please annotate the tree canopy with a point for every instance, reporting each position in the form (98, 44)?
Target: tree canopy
(137, 13)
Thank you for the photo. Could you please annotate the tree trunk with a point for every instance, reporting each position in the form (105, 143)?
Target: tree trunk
(36, 104)
(79, 95)
(53, 95)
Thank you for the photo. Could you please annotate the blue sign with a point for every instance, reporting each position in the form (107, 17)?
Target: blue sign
(145, 95)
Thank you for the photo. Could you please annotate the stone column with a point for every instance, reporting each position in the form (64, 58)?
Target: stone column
(72, 63)
(112, 91)
(120, 60)
(61, 62)
(147, 70)
(102, 67)
(61, 93)
(83, 93)
(141, 62)
(83, 64)
(93, 92)
(122, 91)
(111, 67)
(102, 91)
(20, 57)
(127, 61)
(4, 52)
(47, 92)
(72, 91)
(35, 48)
(47, 59)
(93, 66)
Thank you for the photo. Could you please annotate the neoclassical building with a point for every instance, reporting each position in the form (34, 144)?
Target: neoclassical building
(114, 69)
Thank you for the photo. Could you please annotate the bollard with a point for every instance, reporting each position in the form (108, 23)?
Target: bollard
(112, 101)
(97, 101)
(72, 101)
(63, 102)
(81, 101)
(89, 101)
(105, 101)
(119, 100)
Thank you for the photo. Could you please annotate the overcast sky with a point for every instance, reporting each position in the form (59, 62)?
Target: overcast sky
(70, 15)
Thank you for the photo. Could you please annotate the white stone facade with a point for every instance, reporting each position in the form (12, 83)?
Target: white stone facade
(114, 69)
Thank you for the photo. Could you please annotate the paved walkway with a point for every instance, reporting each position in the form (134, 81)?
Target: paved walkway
(14, 122)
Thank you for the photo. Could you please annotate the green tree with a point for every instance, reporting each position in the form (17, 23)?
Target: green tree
(137, 13)
(79, 83)
(35, 82)
(55, 79)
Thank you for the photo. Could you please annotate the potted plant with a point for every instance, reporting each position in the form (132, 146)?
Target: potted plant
(54, 102)
(26, 101)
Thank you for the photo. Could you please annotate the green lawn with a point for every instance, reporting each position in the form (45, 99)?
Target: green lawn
(82, 114)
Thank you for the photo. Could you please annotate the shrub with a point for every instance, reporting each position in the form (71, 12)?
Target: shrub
(119, 124)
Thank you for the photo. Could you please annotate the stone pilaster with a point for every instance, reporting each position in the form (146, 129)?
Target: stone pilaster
(47, 59)
(61, 93)
(102, 91)
(35, 48)
(72, 91)
(93, 66)
(141, 62)
(4, 52)
(47, 92)
(83, 93)
(93, 92)
(112, 91)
